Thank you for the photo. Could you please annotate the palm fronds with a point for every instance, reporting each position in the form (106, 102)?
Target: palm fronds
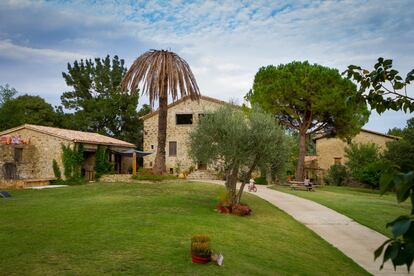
(161, 73)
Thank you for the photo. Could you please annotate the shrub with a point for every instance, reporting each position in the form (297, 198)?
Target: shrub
(56, 170)
(359, 157)
(72, 161)
(177, 167)
(200, 246)
(102, 164)
(191, 169)
(372, 173)
(145, 172)
(337, 175)
(241, 210)
(261, 180)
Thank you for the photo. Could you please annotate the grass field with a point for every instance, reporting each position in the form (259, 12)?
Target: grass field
(365, 206)
(146, 229)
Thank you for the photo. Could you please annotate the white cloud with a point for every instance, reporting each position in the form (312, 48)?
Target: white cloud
(226, 42)
(8, 50)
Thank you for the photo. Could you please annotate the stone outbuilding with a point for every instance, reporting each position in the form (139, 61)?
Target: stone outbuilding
(27, 153)
(331, 150)
(183, 116)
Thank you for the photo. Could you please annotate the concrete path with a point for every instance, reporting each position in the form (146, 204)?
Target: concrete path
(356, 241)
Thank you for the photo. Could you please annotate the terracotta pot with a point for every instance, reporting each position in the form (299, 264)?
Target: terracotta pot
(200, 260)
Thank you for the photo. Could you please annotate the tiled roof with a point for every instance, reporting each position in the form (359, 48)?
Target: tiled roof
(363, 130)
(73, 135)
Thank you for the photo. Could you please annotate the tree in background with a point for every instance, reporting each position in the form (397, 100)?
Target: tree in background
(401, 152)
(6, 94)
(383, 88)
(98, 102)
(26, 109)
(241, 142)
(365, 163)
(308, 99)
(163, 74)
(395, 131)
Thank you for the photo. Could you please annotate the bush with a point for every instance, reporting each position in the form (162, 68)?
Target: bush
(56, 170)
(241, 210)
(261, 180)
(372, 173)
(145, 172)
(359, 157)
(102, 164)
(337, 175)
(200, 246)
(70, 181)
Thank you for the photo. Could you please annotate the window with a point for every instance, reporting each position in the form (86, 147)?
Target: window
(151, 164)
(152, 146)
(18, 154)
(172, 148)
(184, 119)
(337, 160)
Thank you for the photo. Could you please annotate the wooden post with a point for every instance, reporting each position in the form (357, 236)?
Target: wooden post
(134, 163)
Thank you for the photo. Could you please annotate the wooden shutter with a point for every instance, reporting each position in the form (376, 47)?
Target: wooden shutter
(172, 148)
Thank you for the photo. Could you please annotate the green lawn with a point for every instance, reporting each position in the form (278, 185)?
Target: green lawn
(146, 229)
(365, 206)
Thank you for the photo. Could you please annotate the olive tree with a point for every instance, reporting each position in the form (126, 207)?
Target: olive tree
(241, 141)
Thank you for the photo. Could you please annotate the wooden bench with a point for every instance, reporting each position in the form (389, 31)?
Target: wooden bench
(300, 185)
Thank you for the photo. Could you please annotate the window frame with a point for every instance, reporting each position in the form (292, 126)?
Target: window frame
(18, 154)
(174, 154)
(184, 113)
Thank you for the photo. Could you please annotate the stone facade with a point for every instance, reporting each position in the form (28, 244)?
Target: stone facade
(331, 150)
(176, 132)
(22, 164)
(36, 164)
(45, 148)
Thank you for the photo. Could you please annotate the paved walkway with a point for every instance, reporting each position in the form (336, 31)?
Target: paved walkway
(356, 241)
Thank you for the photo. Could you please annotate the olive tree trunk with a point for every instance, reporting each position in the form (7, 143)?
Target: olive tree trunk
(300, 166)
(246, 179)
(231, 183)
(159, 164)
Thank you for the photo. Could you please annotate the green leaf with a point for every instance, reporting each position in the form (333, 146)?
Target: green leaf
(391, 252)
(379, 250)
(398, 85)
(386, 181)
(401, 226)
(402, 187)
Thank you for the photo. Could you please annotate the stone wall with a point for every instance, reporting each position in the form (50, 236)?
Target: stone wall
(177, 133)
(25, 167)
(47, 148)
(327, 149)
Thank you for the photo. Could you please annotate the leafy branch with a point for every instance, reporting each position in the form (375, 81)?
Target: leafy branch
(383, 87)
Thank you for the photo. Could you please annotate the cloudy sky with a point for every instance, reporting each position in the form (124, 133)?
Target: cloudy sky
(224, 42)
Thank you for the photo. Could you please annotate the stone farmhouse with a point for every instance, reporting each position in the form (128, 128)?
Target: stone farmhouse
(330, 150)
(182, 116)
(27, 153)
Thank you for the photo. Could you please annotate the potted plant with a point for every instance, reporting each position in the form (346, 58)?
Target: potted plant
(200, 249)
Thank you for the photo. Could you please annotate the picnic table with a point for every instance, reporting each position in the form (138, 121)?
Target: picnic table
(300, 185)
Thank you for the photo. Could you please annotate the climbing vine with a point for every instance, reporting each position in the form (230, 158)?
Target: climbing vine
(56, 170)
(102, 164)
(72, 161)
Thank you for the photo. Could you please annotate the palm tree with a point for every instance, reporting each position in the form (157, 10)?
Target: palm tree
(162, 74)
